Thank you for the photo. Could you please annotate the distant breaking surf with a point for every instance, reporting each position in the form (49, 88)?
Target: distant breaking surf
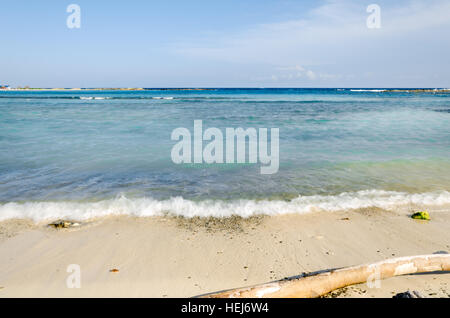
(368, 90)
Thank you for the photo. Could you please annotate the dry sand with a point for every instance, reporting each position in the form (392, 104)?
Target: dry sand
(175, 257)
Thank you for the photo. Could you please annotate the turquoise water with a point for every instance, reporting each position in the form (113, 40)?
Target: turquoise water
(90, 153)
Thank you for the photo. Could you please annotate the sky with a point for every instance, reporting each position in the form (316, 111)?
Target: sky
(232, 43)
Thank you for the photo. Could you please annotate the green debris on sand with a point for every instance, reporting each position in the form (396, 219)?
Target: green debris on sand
(422, 215)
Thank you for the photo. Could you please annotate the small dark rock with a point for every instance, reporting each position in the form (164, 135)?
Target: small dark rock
(408, 294)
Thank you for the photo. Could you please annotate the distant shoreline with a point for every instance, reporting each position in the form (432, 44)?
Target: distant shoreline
(107, 89)
(379, 90)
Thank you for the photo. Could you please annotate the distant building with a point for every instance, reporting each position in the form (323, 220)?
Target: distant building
(5, 87)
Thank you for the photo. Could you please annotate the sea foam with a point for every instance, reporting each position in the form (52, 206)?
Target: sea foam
(177, 206)
(369, 90)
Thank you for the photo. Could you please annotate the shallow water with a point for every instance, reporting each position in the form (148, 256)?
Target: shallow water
(91, 153)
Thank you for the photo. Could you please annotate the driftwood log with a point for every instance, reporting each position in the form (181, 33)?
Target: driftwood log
(321, 283)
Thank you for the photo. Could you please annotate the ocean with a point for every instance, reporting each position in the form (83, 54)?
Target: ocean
(91, 153)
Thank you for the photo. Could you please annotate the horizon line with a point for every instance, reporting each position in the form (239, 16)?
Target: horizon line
(6, 88)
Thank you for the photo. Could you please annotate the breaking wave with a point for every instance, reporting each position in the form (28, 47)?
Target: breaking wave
(369, 90)
(177, 206)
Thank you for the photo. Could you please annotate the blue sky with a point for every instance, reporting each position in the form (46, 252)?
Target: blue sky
(233, 43)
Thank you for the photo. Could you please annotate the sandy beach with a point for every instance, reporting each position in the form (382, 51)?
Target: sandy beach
(178, 257)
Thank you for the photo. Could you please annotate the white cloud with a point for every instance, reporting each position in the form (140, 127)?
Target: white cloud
(333, 22)
(330, 39)
(298, 68)
(311, 75)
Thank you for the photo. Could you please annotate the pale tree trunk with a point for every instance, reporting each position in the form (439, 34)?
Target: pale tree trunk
(316, 285)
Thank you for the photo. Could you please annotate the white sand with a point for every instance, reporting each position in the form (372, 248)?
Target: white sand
(167, 257)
